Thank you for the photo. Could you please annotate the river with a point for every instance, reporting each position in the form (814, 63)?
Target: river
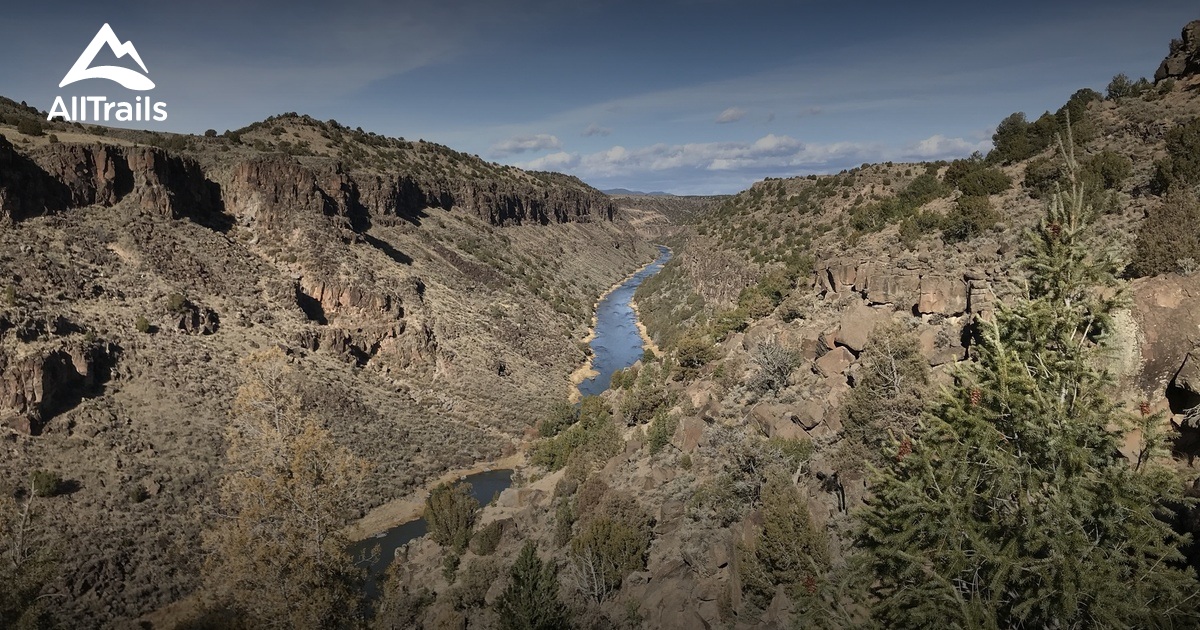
(616, 345)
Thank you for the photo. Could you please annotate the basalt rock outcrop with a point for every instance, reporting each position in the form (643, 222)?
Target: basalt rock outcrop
(37, 385)
(1184, 59)
(58, 177)
(271, 189)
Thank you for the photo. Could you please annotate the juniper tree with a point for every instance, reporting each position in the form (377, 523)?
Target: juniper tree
(451, 512)
(1012, 506)
(530, 602)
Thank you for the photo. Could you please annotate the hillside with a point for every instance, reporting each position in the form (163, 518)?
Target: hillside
(734, 483)
(660, 216)
(431, 301)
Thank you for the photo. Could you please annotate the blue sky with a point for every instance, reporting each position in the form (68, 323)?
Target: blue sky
(686, 96)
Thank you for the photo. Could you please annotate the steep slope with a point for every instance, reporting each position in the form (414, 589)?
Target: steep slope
(432, 301)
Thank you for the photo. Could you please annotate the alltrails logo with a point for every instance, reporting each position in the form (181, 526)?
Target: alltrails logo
(143, 109)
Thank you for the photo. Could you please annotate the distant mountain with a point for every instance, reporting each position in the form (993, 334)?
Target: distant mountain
(635, 193)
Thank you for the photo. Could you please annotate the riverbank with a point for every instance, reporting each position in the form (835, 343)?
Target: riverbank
(410, 507)
(586, 371)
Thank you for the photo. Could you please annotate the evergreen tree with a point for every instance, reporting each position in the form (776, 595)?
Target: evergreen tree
(788, 550)
(531, 600)
(451, 511)
(1012, 507)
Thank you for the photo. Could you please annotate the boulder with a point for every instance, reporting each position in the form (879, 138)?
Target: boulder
(689, 435)
(942, 295)
(777, 421)
(935, 349)
(1188, 376)
(1166, 313)
(857, 325)
(37, 386)
(809, 414)
(835, 362)
(1184, 59)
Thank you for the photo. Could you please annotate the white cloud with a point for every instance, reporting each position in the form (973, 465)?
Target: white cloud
(554, 162)
(595, 130)
(733, 114)
(937, 147)
(523, 144)
(769, 155)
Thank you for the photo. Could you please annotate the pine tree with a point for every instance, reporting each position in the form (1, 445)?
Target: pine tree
(1012, 507)
(277, 557)
(531, 600)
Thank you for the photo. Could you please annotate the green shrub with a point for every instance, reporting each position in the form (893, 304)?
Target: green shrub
(795, 452)
(604, 553)
(10, 295)
(1166, 240)
(920, 191)
(564, 523)
(450, 512)
(30, 127)
(662, 429)
(1041, 176)
(562, 415)
(594, 437)
(450, 564)
(46, 483)
(530, 602)
(1107, 170)
(142, 324)
(974, 178)
(693, 352)
(1181, 167)
(685, 461)
(485, 541)
(1120, 87)
(725, 322)
(970, 217)
(176, 303)
(889, 397)
(647, 395)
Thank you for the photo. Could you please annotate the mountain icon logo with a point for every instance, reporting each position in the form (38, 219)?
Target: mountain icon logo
(130, 79)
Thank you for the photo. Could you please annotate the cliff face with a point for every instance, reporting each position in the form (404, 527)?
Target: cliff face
(270, 188)
(59, 177)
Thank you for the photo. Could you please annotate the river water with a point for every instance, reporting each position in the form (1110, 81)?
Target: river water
(617, 344)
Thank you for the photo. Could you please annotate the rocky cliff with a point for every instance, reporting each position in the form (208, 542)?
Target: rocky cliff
(1184, 58)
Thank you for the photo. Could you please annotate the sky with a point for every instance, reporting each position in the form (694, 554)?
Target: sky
(682, 96)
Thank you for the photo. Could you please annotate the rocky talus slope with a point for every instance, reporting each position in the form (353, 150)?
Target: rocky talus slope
(432, 301)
